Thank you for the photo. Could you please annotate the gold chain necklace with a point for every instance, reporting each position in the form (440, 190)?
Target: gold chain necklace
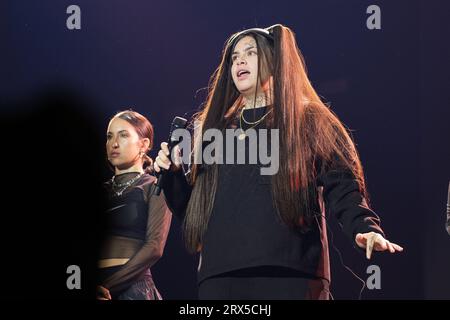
(123, 186)
(253, 124)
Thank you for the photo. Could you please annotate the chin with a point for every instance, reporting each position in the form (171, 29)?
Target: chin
(244, 88)
(115, 163)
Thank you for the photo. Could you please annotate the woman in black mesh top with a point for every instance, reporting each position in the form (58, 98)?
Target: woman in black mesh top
(136, 222)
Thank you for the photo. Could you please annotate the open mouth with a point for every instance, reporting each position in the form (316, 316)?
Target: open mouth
(242, 74)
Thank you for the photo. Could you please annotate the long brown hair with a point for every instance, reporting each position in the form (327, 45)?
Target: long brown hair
(312, 139)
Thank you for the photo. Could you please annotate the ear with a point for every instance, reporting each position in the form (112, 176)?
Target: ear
(145, 144)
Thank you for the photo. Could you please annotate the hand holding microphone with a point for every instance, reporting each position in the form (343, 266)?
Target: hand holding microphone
(163, 161)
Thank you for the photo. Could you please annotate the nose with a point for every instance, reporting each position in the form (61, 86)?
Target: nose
(115, 143)
(240, 60)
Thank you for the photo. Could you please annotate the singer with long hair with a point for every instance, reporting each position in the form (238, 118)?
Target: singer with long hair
(136, 221)
(260, 236)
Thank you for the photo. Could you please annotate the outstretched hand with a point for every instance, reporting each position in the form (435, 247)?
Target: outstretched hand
(375, 241)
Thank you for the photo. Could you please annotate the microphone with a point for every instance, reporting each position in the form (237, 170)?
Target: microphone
(447, 224)
(177, 123)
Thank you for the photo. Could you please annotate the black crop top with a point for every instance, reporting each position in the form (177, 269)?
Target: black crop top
(127, 215)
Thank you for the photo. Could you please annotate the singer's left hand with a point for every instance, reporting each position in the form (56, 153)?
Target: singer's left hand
(375, 241)
(103, 293)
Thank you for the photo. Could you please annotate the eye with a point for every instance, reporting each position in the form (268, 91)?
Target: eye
(108, 137)
(124, 135)
(252, 52)
(233, 58)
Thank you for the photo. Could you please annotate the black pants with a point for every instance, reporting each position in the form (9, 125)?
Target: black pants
(143, 289)
(263, 283)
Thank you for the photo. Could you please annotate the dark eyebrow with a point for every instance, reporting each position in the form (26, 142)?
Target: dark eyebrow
(246, 49)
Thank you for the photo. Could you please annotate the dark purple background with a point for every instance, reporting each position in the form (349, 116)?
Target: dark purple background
(390, 86)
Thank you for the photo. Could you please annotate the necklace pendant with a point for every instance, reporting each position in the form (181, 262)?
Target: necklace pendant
(241, 136)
